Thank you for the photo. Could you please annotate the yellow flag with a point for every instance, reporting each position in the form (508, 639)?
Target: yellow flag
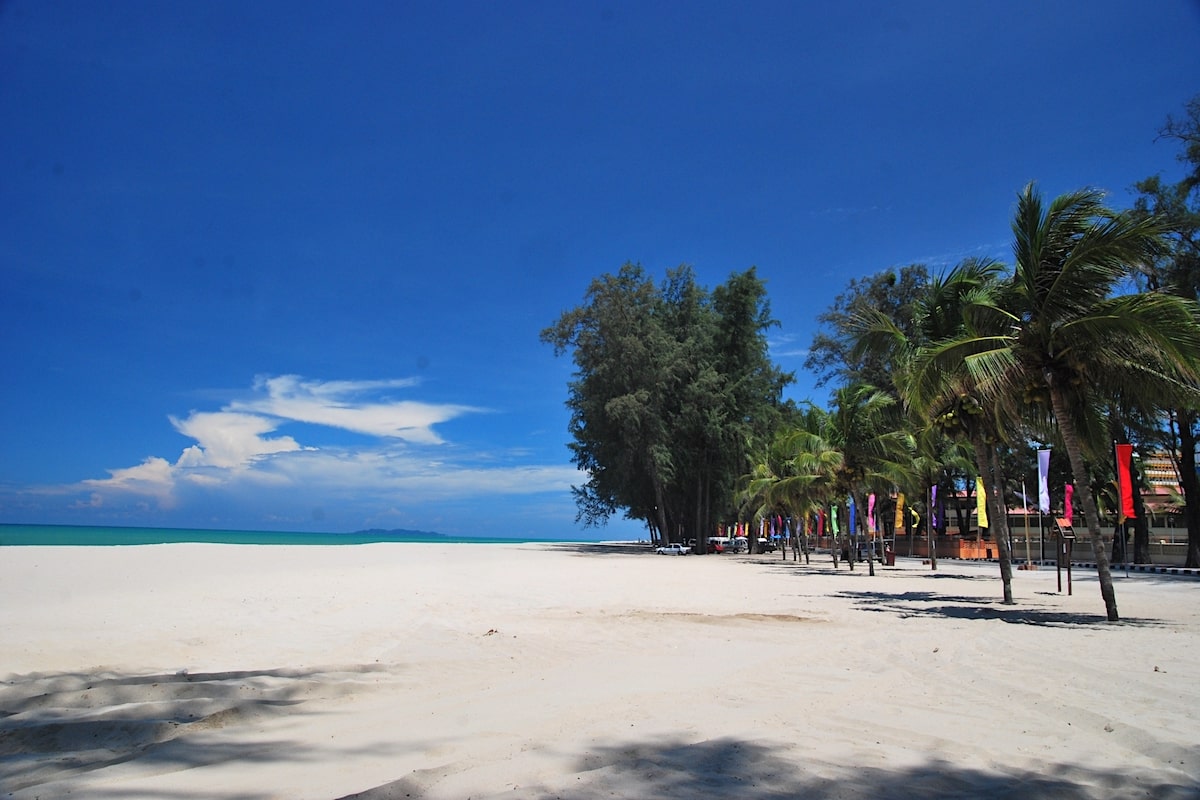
(899, 525)
(981, 502)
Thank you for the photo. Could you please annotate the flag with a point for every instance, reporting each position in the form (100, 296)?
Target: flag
(933, 515)
(1068, 493)
(899, 511)
(981, 503)
(1125, 479)
(1043, 481)
(821, 522)
(853, 513)
(871, 513)
(833, 520)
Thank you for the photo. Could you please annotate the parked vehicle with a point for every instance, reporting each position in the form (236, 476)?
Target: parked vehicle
(766, 546)
(673, 550)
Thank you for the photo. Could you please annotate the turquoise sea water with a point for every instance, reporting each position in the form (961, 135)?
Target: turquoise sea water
(87, 535)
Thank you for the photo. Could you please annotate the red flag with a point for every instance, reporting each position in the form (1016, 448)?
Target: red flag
(1124, 479)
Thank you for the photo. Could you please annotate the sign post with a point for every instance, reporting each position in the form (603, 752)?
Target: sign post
(1068, 545)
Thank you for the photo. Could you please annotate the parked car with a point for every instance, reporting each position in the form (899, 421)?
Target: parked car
(766, 546)
(673, 550)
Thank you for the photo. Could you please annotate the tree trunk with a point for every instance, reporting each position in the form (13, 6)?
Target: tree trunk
(993, 486)
(861, 526)
(1141, 522)
(661, 511)
(1083, 488)
(1189, 483)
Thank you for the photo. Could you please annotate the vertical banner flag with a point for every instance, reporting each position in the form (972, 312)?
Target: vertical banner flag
(1043, 481)
(852, 510)
(933, 508)
(1125, 479)
(833, 521)
(1068, 493)
(821, 522)
(871, 513)
(981, 502)
(899, 523)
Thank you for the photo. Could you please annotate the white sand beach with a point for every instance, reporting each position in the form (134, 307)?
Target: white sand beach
(559, 671)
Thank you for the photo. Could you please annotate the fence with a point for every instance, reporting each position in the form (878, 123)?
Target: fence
(1168, 546)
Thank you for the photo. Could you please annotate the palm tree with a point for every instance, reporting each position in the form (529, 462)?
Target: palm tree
(873, 444)
(937, 390)
(1061, 332)
(798, 470)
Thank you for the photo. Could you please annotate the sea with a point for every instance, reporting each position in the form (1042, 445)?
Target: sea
(102, 536)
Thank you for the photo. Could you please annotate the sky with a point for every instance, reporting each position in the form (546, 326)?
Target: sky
(284, 265)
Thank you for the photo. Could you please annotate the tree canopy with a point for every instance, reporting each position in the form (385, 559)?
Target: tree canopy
(672, 391)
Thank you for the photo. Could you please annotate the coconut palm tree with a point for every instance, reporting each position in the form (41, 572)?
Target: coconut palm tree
(1059, 330)
(798, 470)
(937, 390)
(873, 443)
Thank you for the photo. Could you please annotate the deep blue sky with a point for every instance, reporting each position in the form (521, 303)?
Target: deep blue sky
(279, 265)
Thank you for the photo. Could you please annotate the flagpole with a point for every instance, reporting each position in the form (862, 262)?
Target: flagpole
(931, 525)
(1028, 556)
(1041, 540)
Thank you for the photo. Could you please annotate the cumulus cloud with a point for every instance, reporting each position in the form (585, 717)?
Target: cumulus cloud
(229, 439)
(154, 477)
(244, 453)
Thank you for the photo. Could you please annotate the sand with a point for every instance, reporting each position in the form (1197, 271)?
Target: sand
(559, 671)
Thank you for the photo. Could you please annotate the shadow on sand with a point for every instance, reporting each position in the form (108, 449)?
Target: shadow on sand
(603, 548)
(934, 604)
(57, 726)
(734, 768)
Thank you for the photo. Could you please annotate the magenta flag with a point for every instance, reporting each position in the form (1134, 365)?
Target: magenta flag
(1068, 493)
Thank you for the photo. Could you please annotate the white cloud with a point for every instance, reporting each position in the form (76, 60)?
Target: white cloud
(336, 404)
(785, 346)
(228, 439)
(240, 455)
(153, 477)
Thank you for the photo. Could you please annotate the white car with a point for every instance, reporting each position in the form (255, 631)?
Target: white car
(673, 550)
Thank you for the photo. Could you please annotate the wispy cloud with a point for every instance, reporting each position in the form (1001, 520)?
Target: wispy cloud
(997, 250)
(785, 345)
(345, 405)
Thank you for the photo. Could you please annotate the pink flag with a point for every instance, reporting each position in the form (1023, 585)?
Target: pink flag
(1068, 493)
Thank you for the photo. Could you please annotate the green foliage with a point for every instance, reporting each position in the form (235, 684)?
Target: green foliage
(1178, 272)
(834, 352)
(673, 388)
